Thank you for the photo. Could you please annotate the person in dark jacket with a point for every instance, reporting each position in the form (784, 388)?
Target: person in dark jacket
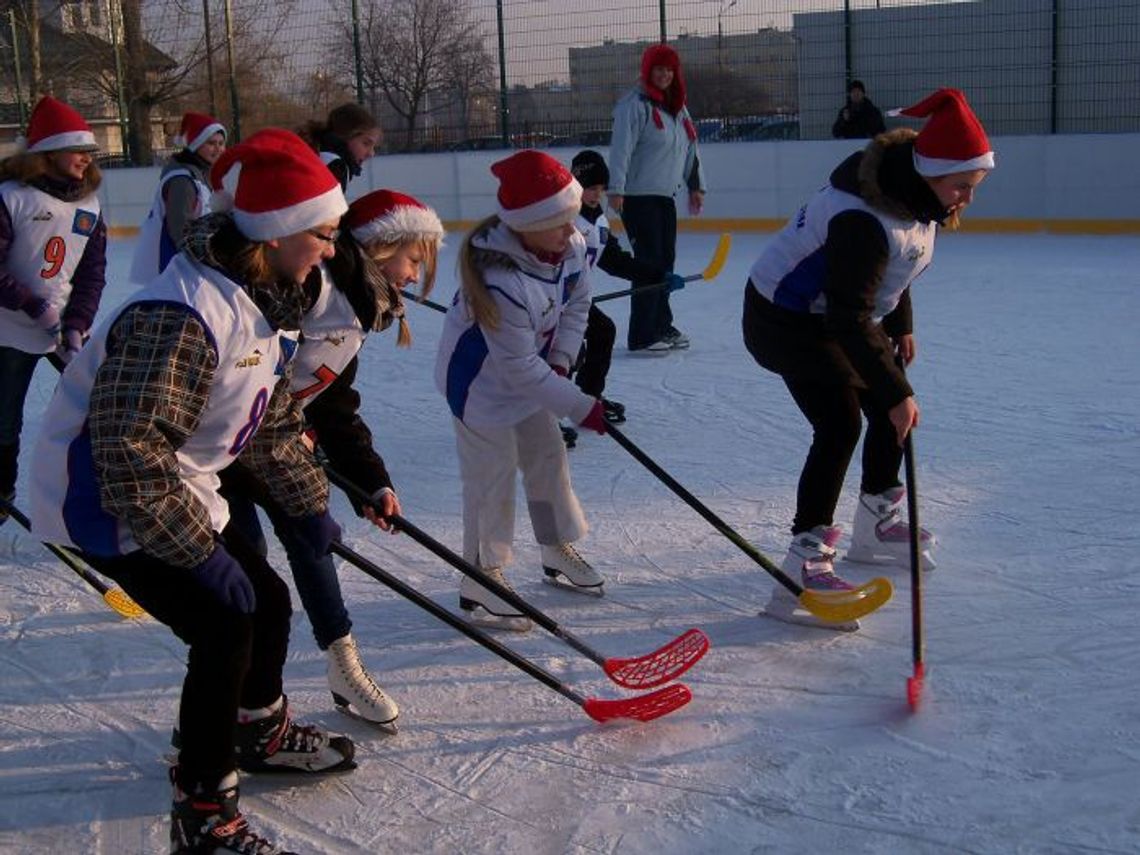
(344, 140)
(827, 307)
(53, 260)
(859, 118)
(604, 251)
(388, 241)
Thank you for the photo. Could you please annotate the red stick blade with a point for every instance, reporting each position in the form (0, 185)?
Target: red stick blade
(662, 665)
(642, 707)
(914, 687)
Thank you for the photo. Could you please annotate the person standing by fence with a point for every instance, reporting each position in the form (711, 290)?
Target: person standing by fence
(653, 154)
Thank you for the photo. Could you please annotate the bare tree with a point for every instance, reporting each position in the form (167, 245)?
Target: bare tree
(413, 49)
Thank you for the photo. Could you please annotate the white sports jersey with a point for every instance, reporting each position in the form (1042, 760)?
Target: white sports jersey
(331, 335)
(251, 358)
(49, 236)
(155, 247)
(496, 378)
(595, 234)
(791, 270)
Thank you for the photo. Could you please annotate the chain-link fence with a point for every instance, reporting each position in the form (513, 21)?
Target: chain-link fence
(471, 74)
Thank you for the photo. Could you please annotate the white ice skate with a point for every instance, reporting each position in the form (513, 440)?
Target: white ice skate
(485, 609)
(354, 691)
(811, 559)
(563, 567)
(882, 536)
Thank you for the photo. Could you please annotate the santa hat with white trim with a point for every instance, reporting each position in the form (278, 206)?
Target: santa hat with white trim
(55, 126)
(196, 129)
(952, 140)
(391, 217)
(275, 185)
(536, 192)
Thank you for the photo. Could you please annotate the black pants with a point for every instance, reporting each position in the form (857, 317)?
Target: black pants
(597, 351)
(651, 224)
(235, 660)
(796, 346)
(836, 416)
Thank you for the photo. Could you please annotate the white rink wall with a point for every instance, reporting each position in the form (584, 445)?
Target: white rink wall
(1083, 183)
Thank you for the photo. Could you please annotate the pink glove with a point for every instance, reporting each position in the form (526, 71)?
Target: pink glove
(595, 419)
(70, 344)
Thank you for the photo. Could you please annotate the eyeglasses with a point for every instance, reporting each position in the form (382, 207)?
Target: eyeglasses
(329, 238)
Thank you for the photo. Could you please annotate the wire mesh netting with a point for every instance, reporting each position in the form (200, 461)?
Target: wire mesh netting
(472, 74)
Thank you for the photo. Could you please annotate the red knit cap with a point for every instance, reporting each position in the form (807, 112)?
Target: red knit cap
(196, 129)
(536, 192)
(276, 186)
(952, 140)
(391, 217)
(54, 126)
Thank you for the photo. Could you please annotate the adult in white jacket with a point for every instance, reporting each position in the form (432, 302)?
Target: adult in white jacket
(509, 339)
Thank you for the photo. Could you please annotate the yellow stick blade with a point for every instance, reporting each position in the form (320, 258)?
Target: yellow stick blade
(720, 255)
(845, 606)
(121, 602)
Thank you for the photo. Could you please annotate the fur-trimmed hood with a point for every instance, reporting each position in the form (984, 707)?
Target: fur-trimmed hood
(883, 176)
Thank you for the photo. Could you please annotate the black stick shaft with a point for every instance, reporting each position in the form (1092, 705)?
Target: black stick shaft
(625, 292)
(915, 551)
(478, 636)
(468, 569)
(695, 503)
(431, 304)
(59, 552)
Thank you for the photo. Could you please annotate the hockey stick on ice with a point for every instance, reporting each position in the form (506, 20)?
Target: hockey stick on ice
(720, 254)
(640, 708)
(637, 672)
(830, 606)
(116, 598)
(914, 683)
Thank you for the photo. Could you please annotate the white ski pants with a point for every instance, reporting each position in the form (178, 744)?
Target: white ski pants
(488, 461)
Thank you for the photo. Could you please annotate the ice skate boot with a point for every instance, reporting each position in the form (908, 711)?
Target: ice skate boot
(483, 608)
(206, 820)
(268, 740)
(882, 536)
(354, 691)
(811, 559)
(676, 339)
(565, 568)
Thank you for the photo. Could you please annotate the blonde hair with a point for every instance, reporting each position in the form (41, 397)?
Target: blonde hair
(383, 252)
(27, 166)
(483, 308)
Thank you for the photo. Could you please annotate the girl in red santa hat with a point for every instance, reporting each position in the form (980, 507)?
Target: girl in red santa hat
(508, 342)
(653, 155)
(175, 385)
(827, 307)
(53, 245)
(388, 241)
(183, 195)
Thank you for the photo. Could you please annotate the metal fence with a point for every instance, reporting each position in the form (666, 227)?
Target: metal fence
(472, 74)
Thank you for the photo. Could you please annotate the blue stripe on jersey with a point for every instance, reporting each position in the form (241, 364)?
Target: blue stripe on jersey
(167, 249)
(90, 527)
(506, 296)
(465, 364)
(803, 284)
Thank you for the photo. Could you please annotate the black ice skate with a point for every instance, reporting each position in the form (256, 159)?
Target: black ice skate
(268, 740)
(206, 820)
